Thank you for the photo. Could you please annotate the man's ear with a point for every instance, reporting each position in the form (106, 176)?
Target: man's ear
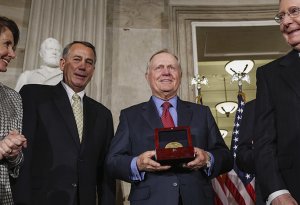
(62, 63)
(147, 77)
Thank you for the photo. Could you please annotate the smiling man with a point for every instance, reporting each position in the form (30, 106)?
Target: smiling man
(132, 151)
(277, 136)
(68, 136)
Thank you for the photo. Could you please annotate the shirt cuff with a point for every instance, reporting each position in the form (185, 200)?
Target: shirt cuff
(276, 194)
(136, 175)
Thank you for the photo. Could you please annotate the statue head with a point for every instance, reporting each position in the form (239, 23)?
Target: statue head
(50, 52)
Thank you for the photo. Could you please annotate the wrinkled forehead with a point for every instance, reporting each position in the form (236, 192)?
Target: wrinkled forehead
(82, 51)
(164, 59)
(284, 5)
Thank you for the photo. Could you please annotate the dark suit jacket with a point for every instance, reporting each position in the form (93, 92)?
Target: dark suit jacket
(58, 169)
(135, 135)
(277, 133)
(245, 153)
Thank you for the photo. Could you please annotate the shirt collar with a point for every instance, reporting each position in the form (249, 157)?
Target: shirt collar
(158, 101)
(71, 92)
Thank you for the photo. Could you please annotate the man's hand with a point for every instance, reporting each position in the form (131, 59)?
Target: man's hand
(199, 161)
(12, 145)
(284, 199)
(145, 163)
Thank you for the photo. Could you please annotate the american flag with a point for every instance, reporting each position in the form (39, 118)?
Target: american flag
(237, 186)
(221, 191)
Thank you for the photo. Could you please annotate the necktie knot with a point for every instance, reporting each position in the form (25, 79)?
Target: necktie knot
(166, 105)
(166, 117)
(76, 97)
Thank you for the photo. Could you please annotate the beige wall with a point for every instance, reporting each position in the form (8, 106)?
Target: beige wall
(137, 29)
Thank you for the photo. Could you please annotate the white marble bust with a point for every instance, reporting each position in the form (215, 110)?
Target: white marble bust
(49, 72)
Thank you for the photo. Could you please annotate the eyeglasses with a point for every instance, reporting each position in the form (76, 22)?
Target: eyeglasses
(293, 12)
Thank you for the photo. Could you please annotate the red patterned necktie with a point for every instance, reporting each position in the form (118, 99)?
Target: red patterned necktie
(166, 117)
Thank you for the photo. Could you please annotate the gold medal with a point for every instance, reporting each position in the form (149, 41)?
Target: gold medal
(173, 145)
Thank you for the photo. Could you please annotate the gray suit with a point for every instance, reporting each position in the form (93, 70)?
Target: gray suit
(135, 135)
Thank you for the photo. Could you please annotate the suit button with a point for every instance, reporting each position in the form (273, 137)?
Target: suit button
(74, 185)
(174, 184)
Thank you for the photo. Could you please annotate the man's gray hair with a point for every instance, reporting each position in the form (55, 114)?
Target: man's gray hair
(159, 52)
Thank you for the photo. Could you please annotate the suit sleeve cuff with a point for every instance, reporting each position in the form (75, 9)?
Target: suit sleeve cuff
(136, 175)
(276, 194)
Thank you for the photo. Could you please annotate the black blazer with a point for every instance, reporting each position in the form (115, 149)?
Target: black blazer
(277, 133)
(57, 168)
(135, 135)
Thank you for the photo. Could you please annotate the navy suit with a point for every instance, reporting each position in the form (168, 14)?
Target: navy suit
(135, 135)
(277, 131)
(58, 168)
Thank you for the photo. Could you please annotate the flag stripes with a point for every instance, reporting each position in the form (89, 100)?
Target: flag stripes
(235, 187)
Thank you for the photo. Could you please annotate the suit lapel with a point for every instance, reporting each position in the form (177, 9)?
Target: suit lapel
(184, 113)
(150, 114)
(64, 107)
(290, 71)
(89, 119)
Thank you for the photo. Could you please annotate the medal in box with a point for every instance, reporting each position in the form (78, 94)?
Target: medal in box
(173, 146)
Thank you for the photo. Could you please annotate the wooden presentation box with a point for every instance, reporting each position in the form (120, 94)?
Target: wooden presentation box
(174, 145)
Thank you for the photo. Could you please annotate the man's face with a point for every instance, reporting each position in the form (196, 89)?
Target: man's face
(78, 67)
(164, 76)
(290, 26)
(51, 53)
